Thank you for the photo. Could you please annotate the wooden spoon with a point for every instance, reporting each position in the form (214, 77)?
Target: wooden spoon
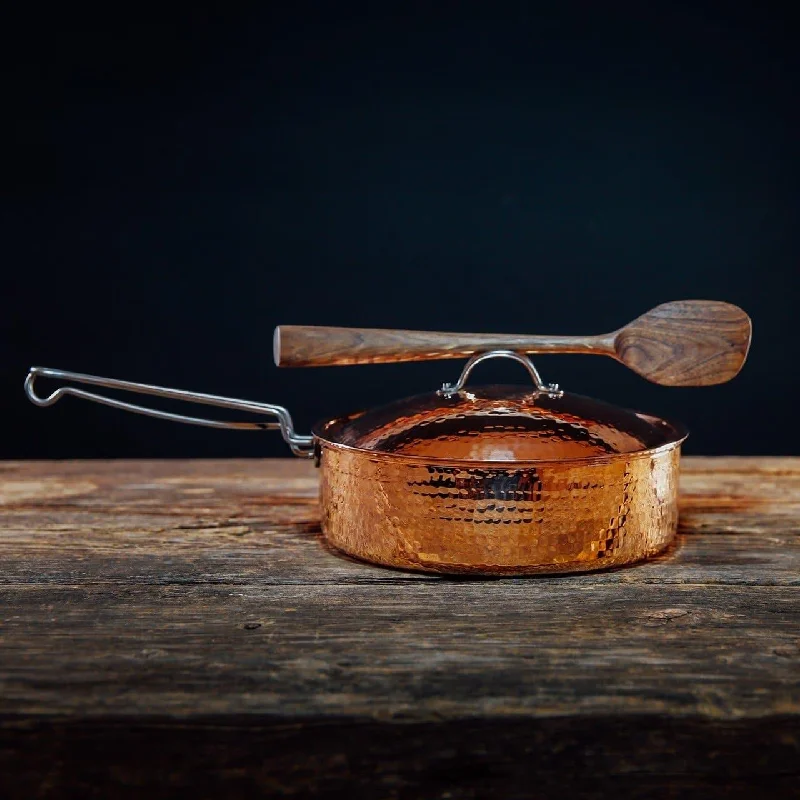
(685, 343)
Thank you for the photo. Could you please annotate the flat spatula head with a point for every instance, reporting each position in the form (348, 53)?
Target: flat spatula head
(686, 343)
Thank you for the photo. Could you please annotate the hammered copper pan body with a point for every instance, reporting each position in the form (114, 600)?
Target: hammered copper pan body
(502, 482)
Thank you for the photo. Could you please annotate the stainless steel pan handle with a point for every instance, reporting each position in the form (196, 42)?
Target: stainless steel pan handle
(300, 445)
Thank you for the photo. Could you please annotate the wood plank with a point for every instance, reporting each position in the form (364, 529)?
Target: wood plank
(430, 651)
(179, 618)
(511, 760)
(243, 521)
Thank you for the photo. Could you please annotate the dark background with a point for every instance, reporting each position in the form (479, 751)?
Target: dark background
(176, 187)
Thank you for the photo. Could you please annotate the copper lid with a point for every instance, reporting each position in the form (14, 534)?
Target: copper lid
(501, 423)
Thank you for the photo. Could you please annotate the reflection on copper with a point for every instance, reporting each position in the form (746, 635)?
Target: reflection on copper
(501, 483)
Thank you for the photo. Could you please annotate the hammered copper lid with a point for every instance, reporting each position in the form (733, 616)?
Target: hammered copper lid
(501, 423)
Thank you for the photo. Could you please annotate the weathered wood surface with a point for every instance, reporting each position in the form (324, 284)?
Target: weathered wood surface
(683, 343)
(172, 625)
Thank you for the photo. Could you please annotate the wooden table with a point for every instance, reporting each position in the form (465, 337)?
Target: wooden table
(179, 627)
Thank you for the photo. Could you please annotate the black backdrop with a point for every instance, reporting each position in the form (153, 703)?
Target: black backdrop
(178, 186)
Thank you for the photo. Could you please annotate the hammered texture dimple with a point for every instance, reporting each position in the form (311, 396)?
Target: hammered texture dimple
(551, 518)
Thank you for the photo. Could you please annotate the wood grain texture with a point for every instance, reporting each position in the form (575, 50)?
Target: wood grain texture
(174, 625)
(320, 346)
(683, 343)
(686, 343)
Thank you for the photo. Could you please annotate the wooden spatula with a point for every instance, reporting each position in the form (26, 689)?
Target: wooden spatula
(685, 343)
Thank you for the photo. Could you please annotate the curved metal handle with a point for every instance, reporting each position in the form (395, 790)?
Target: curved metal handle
(449, 389)
(300, 445)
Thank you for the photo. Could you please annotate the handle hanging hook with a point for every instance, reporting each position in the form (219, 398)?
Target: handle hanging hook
(300, 445)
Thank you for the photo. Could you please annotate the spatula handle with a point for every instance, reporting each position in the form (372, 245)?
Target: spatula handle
(317, 346)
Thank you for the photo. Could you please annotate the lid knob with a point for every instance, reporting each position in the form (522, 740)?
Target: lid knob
(450, 389)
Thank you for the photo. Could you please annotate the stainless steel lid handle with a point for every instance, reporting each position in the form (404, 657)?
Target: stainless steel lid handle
(449, 389)
(300, 445)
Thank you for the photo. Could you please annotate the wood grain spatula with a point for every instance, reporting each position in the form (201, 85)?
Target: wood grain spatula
(685, 343)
